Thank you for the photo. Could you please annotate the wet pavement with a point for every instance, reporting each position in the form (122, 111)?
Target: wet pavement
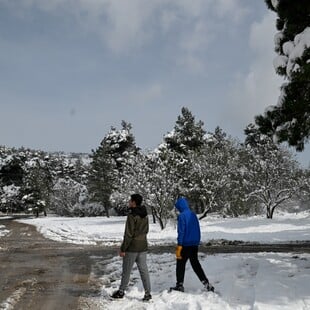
(38, 273)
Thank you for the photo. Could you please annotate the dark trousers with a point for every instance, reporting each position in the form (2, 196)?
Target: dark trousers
(191, 253)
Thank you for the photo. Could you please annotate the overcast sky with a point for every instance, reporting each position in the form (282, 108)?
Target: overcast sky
(69, 70)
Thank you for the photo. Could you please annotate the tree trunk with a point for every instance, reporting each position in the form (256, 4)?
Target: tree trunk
(107, 211)
(204, 214)
(153, 215)
(161, 223)
(272, 211)
(269, 213)
(206, 210)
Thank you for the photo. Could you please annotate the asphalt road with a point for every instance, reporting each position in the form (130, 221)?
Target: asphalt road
(41, 274)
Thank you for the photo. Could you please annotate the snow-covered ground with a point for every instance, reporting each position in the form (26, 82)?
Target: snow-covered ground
(244, 281)
(3, 230)
(109, 231)
(265, 281)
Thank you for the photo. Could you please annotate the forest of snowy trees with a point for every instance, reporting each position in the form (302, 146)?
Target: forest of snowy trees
(217, 174)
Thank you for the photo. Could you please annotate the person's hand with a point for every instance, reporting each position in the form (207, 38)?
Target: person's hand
(178, 251)
(122, 254)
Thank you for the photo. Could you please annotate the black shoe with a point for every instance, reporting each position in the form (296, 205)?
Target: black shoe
(209, 287)
(178, 287)
(118, 294)
(147, 297)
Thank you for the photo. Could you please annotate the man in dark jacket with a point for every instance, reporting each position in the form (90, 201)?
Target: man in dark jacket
(187, 248)
(134, 247)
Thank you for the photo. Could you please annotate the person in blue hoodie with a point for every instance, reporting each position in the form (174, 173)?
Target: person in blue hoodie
(187, 248)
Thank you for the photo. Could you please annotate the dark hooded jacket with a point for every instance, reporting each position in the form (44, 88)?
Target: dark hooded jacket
(136, 229)
(188, 225)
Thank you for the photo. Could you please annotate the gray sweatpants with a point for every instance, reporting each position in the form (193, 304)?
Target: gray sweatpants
(128, 260)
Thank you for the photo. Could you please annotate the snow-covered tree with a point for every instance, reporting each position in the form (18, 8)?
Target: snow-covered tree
(10, 198)
(81, 168)
(214, 176)
(289, 120)
(131, 180)
(163, 184)
(116, 150)
(69, 197)
(37, 185)
(120, 144)
(153, 177)
(272, 176)
(11, 180)
(303, 195)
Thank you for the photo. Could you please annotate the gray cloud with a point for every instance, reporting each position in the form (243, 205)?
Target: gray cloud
(257, 87)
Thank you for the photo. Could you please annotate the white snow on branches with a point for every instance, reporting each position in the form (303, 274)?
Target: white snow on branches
(292, 50)
(275, 3)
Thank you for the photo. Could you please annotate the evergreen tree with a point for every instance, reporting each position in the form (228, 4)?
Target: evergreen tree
(12, 171)
(188, 135)
(11, 180)
(180, 145)
(81, 170)
(37, 185)
(289, 120)
(115, 152)
(101, 179)
(120, 144)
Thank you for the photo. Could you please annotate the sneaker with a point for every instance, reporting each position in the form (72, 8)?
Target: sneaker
(178, 287)
(147, 297)
(118, 294)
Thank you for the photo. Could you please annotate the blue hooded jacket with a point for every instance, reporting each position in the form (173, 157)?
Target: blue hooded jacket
(188, 225)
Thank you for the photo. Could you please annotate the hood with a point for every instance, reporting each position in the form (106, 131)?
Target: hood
(140, 211)
(182, 204)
